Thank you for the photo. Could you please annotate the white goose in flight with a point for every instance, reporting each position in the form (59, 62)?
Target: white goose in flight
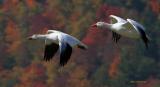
(55, 40)
(127, 28)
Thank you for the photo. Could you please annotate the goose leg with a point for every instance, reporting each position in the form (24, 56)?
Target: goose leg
(115, 37)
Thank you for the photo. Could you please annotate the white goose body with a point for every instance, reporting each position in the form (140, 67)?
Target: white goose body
(123, 27)
(127, 28)
(60, 36)
(55, 40)
(52, 37)
(124, 31)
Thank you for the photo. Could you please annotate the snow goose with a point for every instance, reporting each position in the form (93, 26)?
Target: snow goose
(127, 28)
(55, 40)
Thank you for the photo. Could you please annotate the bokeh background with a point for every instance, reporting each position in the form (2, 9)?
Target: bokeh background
(104, 64)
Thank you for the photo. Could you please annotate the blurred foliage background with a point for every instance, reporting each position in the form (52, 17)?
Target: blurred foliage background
(104, 64)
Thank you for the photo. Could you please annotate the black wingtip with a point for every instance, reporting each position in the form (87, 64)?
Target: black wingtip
(143, 34)
(146, 41)
(50, 51)
(65, 55)
(62, 64)
(144, 37)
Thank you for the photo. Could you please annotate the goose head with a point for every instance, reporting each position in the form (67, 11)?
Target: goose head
(101, 25)
(33, 37)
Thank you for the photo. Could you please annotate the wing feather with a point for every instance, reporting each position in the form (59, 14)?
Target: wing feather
(65, 53)
(50, 50)
(116, 19)
(141, 30)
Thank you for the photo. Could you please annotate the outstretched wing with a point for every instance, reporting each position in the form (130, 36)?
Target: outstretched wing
(65, 49)
(116, 19)
(141, 30)
(50, 50)
(65, 53)
(53, 31)
(136, 24)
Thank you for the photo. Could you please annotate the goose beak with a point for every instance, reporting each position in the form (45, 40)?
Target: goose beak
(30, 38)
(94, 25)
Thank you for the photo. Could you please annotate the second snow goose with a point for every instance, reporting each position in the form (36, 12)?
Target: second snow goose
(127, 28)
(55, 40)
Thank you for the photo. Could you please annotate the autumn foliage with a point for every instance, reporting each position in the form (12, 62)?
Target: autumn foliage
(155, 6)
(104, 64)
(13, 37)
